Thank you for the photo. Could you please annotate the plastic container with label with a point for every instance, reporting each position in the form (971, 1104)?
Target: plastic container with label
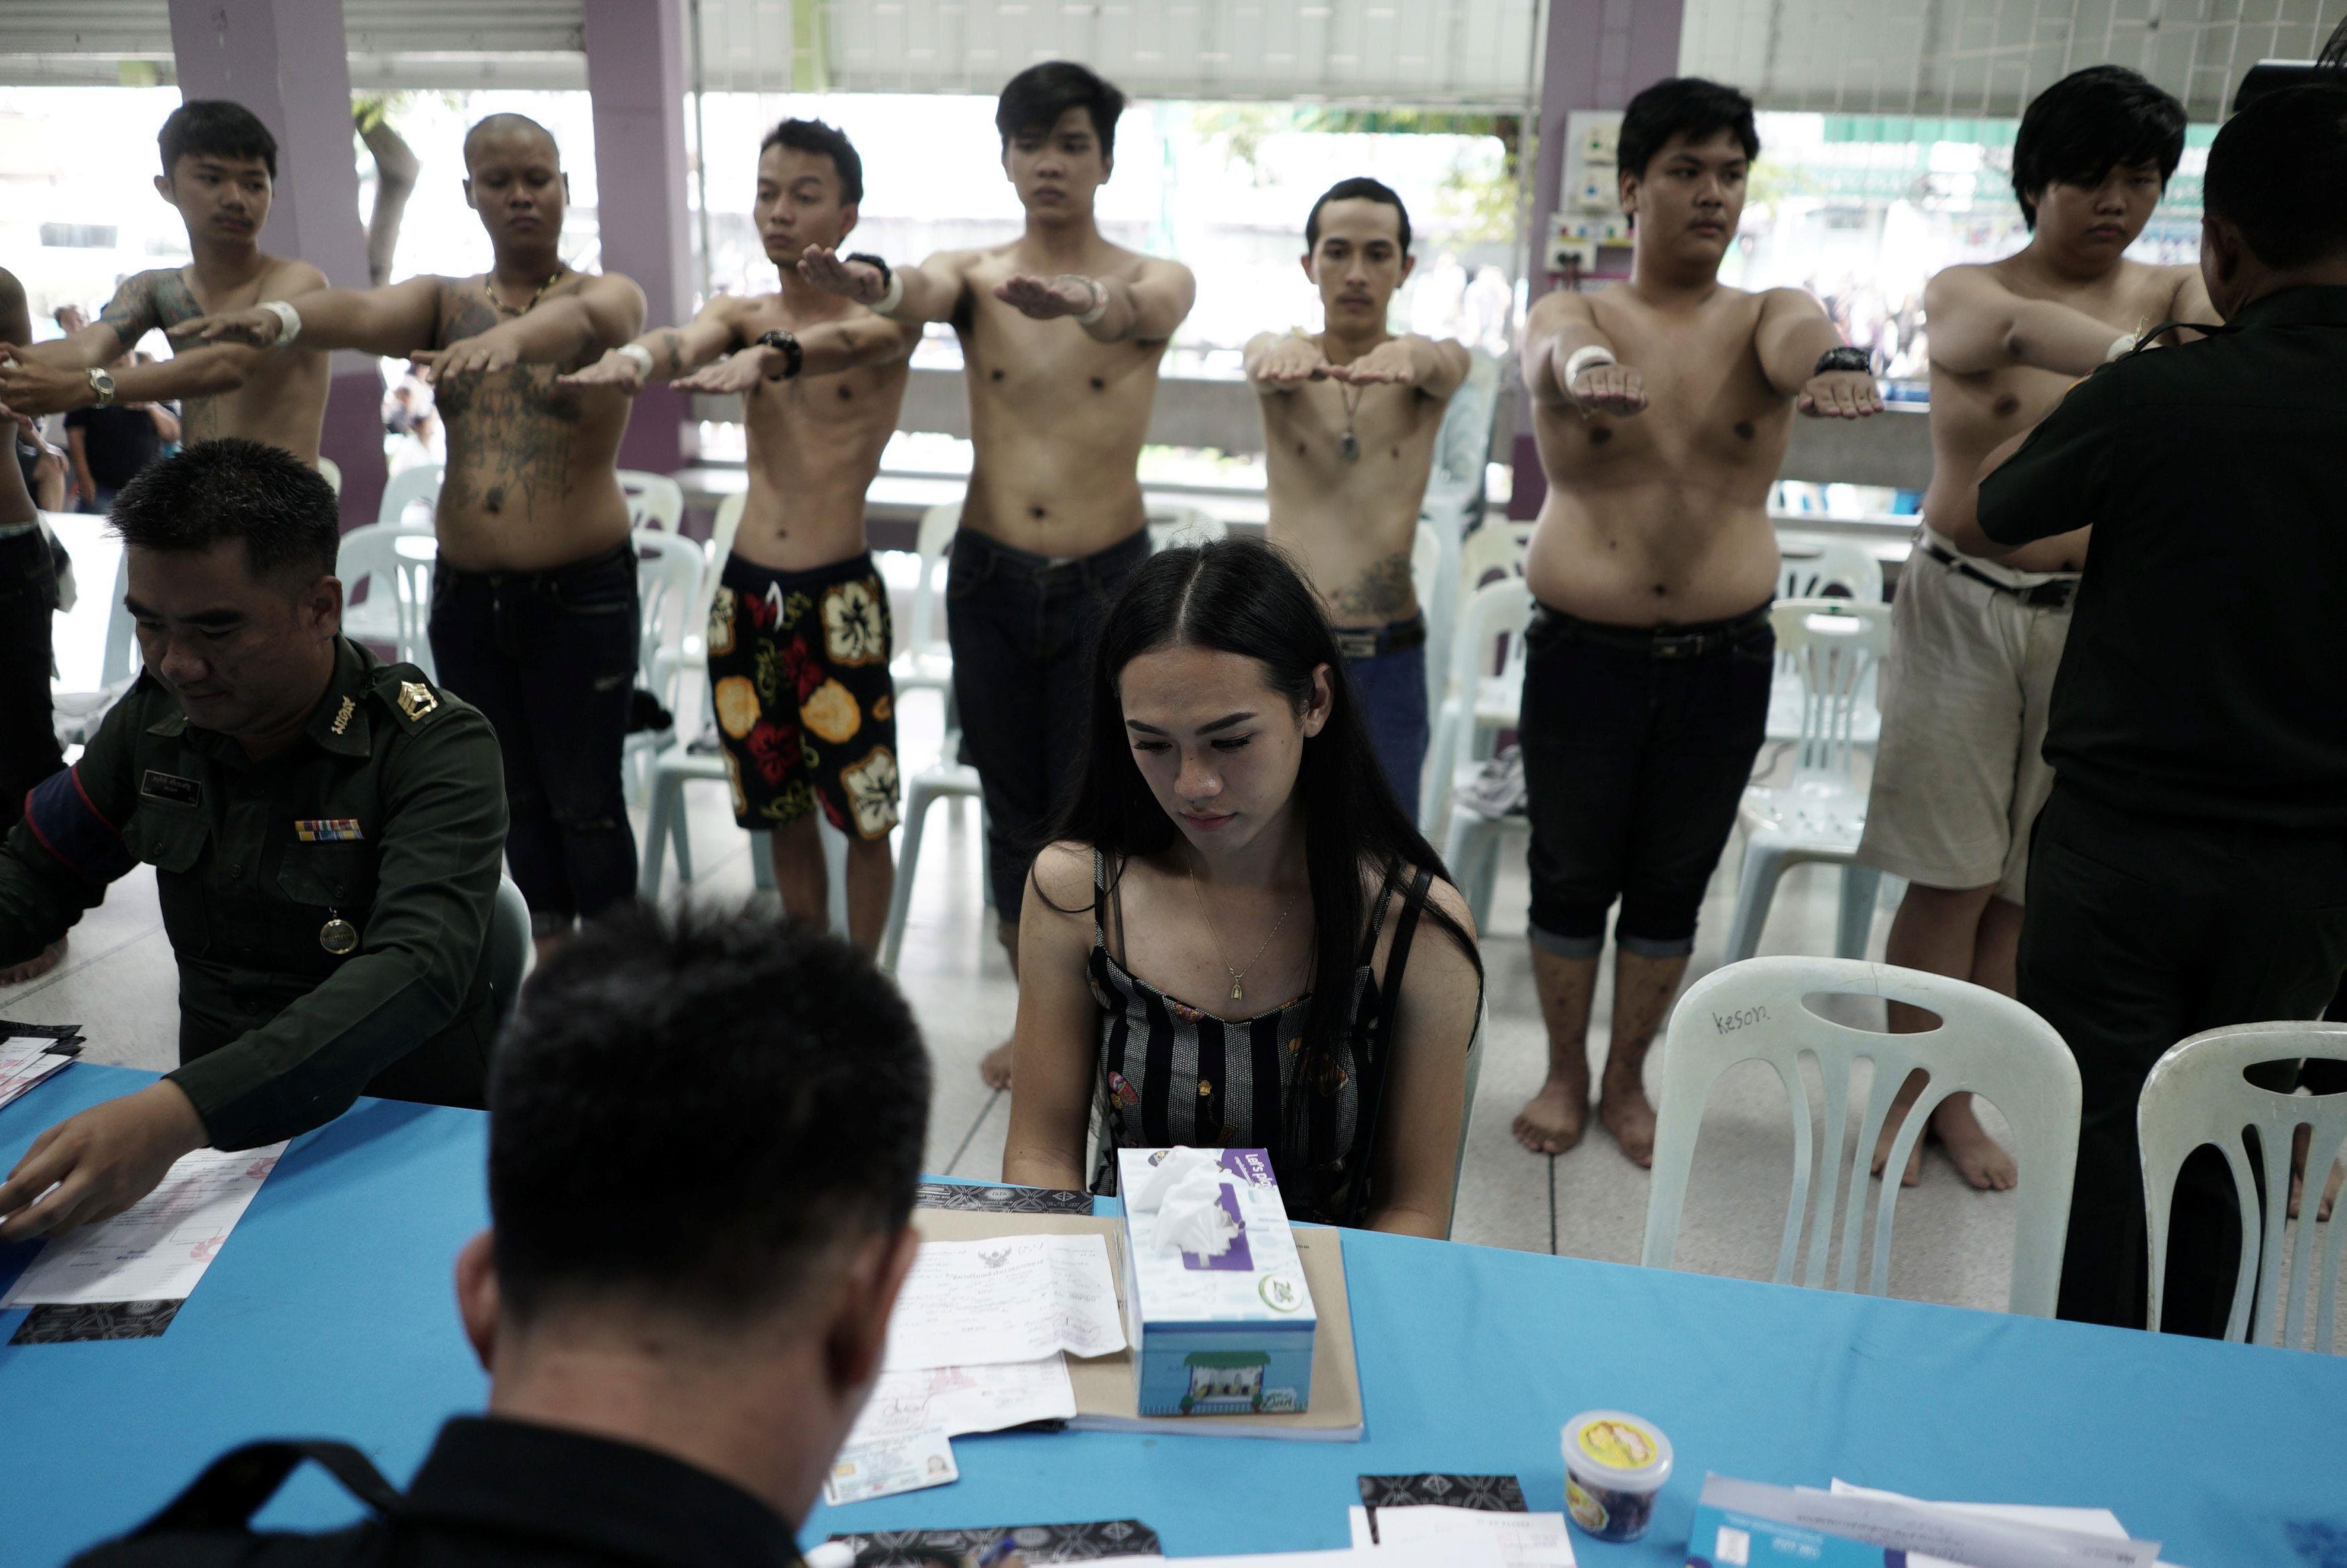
(1614, 1463)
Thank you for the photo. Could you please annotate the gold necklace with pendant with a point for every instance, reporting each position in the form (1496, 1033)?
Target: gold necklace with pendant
(489, 286)
(1238, 976)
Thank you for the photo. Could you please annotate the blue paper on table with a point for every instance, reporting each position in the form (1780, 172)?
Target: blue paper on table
(1731, 1538)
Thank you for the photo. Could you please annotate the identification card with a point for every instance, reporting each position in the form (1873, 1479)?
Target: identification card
(328, 830)
(884, 1466)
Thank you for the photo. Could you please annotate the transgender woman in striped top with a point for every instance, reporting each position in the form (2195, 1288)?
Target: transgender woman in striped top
(1237, 939)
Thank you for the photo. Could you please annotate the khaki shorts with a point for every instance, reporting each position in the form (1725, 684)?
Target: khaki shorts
(1960, 774)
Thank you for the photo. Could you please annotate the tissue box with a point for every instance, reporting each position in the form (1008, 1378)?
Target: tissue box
(1223, 1335)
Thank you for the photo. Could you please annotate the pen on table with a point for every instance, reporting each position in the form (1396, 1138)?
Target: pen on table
(995, 1553)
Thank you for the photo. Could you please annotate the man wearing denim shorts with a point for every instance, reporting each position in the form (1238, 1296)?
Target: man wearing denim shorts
(1662, 407)
(1061, 333)
(1974, 643)
(1350, 419)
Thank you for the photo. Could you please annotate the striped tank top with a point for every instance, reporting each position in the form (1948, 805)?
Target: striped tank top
(1171, 1073)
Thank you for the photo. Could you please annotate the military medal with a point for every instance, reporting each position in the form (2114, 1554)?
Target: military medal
(338, 936)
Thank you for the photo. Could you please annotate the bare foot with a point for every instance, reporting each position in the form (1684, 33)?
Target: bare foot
(1979, 1158)
(2298, 1150)
(1551, 1120)
(33, 968)
(995, 1068)
(1622, 1106)
(1892, 1120)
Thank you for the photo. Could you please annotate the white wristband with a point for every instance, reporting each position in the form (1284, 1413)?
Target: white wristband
(2121, 347)
(1099, 303)
(639, 356)
(1582, 358)
(893, 296)
(289, 321)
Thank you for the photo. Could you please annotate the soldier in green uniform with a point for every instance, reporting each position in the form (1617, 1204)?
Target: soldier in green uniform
(326, 831)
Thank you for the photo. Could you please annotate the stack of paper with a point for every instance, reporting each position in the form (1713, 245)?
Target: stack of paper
(1747, 1525)
(157, 1248)
(27, 1059)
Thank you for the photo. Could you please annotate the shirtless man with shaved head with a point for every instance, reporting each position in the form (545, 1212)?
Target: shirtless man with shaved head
(534, 603)
(1061, 334)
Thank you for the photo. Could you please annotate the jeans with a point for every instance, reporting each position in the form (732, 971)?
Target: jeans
(2140, 931)
(1391, 687)
(549, 659)
(28, 740)
(1638, 746)
(1021, 628)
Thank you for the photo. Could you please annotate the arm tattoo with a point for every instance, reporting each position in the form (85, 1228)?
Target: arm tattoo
(130, 314)
(1383, 592)
(675, 351)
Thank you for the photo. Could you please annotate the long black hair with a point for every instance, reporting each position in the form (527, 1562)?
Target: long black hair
(1244, 596)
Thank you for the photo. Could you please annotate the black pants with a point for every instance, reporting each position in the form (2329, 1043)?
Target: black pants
(1021, 628)
(2139, 933)
(28, 739)
(1637, 744)
(549, 659)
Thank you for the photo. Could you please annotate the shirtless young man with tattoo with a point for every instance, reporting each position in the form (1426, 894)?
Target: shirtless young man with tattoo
(218, 165)
(821, 378)
(1974, 643)
(1349, 422)
(1662, 407)
(534, 602)
(1060, 335)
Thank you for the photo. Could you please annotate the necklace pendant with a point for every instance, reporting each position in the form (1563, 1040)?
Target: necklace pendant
(1348, 447)
(1238, 991)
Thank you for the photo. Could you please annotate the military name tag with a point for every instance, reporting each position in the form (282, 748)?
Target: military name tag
(329, 831)
(159, 786)
(338, 936)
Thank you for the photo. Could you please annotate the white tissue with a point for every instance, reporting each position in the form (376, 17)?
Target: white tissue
(1178, 1163)
(1190, 1217)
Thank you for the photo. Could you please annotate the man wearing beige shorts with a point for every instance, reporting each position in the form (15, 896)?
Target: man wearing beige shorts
(1974, 643)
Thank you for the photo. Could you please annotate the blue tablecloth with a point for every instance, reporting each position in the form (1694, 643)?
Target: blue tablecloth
(329, 1312)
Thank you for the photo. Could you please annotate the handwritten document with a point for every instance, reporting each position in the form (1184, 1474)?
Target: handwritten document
(25, 1061)
(962, 1399)
(1515, 1540)
(157, 1248)
(1016, 1299)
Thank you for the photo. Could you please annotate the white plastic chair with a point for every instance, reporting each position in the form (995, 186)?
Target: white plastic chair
(1491, 551)
(408, 487)
(1472, 841)
(654, 500)
(924, 662)
(1986, 1044)
(1820, 566)
(394, 560)
(670, 571)
(332, 473)
(122, 659)
(1834, 645)
(2196, 1094)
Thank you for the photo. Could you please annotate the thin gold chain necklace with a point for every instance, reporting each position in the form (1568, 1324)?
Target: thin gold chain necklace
(1238, 976)
(489, 285)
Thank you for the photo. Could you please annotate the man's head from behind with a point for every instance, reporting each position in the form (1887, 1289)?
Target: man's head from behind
(810, 181)
(230, 552)
(514, 179)
(1058, 122)
(1686, 147)
(705, 1131)
(2274, 199)
(2091, 158)
(220, 168)
(1356, 252)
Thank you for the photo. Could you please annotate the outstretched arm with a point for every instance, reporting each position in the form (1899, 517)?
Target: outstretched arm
(1794, 334)
(1434, 366)
(1147, 308)
(394, 322)
(673, 352)
(606, 312)
(1557, 330)
(54, 377)
(1279, 362)
(932, 290)
(1977, 324)
(824, 351)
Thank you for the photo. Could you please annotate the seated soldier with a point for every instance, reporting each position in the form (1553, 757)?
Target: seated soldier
(673, 1362)
(325, 830)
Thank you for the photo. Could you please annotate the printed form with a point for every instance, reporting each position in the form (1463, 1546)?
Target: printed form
(157, 1248)
(1017, 1298)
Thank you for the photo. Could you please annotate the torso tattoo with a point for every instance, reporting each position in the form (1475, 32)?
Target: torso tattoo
(510, 435)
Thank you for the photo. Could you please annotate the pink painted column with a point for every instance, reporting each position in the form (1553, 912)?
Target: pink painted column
(1600, 54)
(286, 61)
(635, 76)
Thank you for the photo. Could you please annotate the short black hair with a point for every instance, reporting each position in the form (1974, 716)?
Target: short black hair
(232, 488)
(1682, 105)
(1035, 98)
(2277, 172)
(814, 136)
(1360, 187)
(218, 127)
(2089, 123)
(502, 122)
(693, 1110)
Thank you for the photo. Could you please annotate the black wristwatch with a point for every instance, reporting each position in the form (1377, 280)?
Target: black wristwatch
(869, 260)
(1842, 359)
(793, 356)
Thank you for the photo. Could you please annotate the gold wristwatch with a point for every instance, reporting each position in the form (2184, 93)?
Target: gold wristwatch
(103, 385)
